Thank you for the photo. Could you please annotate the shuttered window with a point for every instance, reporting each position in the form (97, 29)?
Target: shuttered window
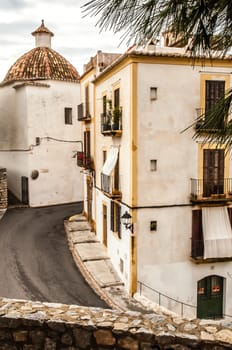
(116, 97)
(213, 171)
(197, 234)
(197, 249)
(87, 114)
(115, 218)
(214, 91)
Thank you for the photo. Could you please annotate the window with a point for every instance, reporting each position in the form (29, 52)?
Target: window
(153, 164)
(87, 151)
(104, 104)
(104, 155)
(214, 91)
(213, 171)
(87, 112)
(115, 216)
(153, 226)
(116, 97)
(213, 239)
(68, 115)
(153, 93)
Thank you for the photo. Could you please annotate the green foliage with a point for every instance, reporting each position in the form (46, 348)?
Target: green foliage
(215, 126)
(205, 24)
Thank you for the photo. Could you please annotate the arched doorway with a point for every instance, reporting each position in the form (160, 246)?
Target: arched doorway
(210, 297)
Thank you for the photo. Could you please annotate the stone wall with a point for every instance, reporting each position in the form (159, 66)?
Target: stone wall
(3, 189)
(28, 325)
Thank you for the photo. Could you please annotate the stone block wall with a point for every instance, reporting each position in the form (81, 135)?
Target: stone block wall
(28, 325)
(3, 188)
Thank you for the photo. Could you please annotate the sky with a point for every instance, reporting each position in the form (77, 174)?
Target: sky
(76, 37)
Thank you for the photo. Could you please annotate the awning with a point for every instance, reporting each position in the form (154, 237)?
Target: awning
(111, 161)
(217, 232)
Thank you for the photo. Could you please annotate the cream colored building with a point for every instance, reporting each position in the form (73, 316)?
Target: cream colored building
(176, 189)
(39, 131)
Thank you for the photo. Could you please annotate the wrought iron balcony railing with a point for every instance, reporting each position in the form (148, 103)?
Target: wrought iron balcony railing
(110, 186)
(84, 161)
(111, 122)
(204, 124)
(83, 112)
(202, 190)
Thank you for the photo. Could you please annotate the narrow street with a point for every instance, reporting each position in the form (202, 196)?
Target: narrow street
(35, 261)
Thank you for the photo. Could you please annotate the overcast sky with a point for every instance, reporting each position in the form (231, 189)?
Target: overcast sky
(76, 37)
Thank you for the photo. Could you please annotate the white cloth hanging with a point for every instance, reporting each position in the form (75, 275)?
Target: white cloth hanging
(217, 232)
(111, 161)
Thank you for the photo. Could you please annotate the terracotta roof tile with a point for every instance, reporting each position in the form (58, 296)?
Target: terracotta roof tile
(42, 29)
(41, 63)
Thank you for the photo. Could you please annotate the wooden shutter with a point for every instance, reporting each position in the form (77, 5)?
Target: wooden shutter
(213, 171)
(112, 216)
(104, 105)
(87, 157)
(197, 234)
(87, 101)
(214, 90)
(117, 97)
(118, 220)
(116, 175)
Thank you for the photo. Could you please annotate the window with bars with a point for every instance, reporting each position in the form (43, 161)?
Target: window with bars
(115, 218)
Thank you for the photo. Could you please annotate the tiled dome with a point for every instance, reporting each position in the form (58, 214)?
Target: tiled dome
(41, 62)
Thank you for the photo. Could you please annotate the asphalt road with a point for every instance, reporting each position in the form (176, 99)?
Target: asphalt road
(35, 261)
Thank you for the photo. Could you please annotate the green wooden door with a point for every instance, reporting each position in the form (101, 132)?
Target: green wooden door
(210, 297)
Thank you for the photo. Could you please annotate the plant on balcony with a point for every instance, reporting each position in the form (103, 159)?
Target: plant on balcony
(116, 118)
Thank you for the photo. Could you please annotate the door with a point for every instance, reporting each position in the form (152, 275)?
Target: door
(213, 172)
(25, 190)
(104, 224)
(210, 297)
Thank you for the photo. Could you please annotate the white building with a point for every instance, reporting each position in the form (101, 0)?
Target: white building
(39, 131)
(144, 164)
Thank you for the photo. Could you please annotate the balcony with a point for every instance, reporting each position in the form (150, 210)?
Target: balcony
(197, 253)
(109, 186)
(111, 122)
(204, 125)
(211, 191)
(83, 113)
(84, 161)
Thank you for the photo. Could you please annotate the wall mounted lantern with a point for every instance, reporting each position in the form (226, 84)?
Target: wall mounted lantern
(127, 221)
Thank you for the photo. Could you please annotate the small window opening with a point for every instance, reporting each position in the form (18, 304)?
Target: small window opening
(153, 93)
(153, 164)
(68, 115)
(153, 225)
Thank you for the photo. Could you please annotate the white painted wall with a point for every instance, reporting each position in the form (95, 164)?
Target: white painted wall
(164, 262)
(38, 111)
(117, 248)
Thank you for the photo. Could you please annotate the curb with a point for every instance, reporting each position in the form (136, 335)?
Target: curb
(87, 275)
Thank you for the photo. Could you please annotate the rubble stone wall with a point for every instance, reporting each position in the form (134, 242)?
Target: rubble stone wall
(3, 188)
(28, 325)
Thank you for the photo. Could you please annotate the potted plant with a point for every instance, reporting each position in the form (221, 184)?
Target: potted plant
(116, 118)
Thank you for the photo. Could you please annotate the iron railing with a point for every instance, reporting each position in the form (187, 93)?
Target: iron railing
(83, 112)
(162, 299)
(84, 161)
(222, 188)
(110, 185)
(111, 121)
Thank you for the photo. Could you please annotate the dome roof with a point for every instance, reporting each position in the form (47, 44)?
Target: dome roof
(41, 63)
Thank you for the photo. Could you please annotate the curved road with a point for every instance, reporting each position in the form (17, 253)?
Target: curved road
(35, 261)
